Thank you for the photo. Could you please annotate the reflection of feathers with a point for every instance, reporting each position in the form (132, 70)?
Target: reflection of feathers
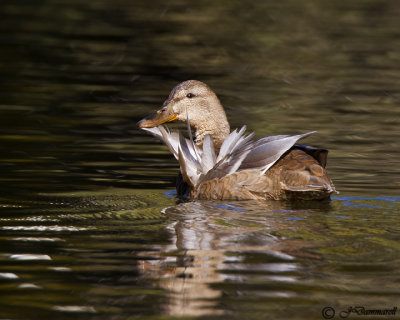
(238, 152)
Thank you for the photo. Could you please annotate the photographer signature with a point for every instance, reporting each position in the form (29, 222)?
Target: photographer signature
(329, 312)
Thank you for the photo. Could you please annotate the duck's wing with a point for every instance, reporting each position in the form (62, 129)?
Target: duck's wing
(237, 152)
(200, 165)
(191, 167)
(267, 151)
(208, 158)
(172, 140)
(193, 162)
(233, 150)
(240, 152)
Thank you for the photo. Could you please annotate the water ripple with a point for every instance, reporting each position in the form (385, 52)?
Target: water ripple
(28, 256)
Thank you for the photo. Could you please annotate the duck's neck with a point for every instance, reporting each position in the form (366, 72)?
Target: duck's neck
(217, 128)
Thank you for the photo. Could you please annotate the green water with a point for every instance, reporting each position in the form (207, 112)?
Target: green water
(89, 224)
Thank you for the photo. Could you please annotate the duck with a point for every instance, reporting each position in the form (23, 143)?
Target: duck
(220, 164)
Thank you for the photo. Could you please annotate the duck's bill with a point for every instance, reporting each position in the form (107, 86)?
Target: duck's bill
(158, 117)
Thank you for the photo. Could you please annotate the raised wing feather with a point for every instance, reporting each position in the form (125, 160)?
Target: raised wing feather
(189, 164)
(268, 150)
(230, 142)
(171, 139)
(238, 152)
(208, 158)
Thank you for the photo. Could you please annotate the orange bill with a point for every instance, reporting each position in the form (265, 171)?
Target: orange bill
(165, 114)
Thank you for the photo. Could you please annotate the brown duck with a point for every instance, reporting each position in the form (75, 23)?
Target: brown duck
(225, 165)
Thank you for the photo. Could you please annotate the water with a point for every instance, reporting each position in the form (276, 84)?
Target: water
(90, 227)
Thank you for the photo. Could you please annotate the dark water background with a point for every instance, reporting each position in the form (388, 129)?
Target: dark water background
(89, 226)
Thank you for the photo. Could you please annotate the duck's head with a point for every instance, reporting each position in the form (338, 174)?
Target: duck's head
(195, 101)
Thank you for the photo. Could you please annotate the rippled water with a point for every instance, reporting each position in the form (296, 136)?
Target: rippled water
(89, 224)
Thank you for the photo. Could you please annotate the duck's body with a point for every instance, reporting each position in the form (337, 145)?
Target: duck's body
(297, 175)
(231, 166)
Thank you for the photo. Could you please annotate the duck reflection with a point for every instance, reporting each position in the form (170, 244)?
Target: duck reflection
(216, 243)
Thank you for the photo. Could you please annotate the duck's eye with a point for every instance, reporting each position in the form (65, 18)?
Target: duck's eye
(190, 95)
